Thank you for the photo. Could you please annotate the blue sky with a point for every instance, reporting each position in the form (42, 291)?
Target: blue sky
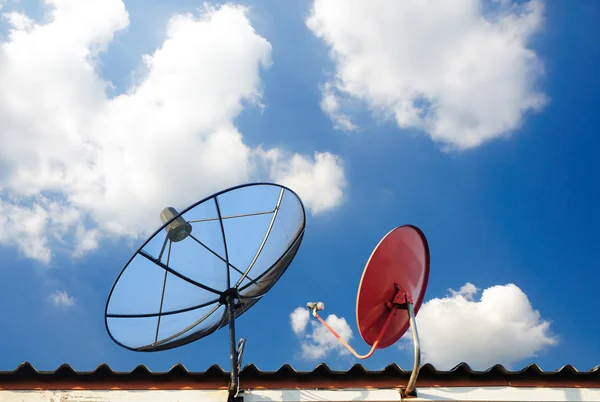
(513, 201)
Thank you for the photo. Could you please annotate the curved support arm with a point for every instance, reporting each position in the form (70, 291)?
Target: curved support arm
(343, 342)
(410, 387)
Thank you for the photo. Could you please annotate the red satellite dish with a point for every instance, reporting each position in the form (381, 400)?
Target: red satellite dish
(398, 264)
(393, 281)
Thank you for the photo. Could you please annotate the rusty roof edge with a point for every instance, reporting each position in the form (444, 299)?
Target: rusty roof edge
(26, 368)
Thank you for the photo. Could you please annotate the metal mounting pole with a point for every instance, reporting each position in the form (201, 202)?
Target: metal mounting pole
(410, 387)
(234, 385)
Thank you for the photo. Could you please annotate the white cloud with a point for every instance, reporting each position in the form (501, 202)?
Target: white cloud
(331, 106)
(461, 71)
(319, 181)
(32, 227)
(500, 328)
(316, 341)
(61, 298)
(468, 291)
(108, 165)
(299, 319)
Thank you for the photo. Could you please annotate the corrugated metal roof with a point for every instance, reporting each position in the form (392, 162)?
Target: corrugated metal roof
(322, 376)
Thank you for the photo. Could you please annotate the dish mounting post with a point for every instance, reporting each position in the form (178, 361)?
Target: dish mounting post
(403, 300)
(231, 299)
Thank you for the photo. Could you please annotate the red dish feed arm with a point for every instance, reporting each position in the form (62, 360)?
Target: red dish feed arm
(343, 342)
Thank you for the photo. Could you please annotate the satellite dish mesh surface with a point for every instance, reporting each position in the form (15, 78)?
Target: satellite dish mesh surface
(173, 289)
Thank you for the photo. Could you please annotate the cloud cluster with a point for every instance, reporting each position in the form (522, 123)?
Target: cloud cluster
(76, 164)
(500, 328)
(461, 71)
(330, 104)
(316, 341)
(32, 228)
(320, 181)
(61, 298)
